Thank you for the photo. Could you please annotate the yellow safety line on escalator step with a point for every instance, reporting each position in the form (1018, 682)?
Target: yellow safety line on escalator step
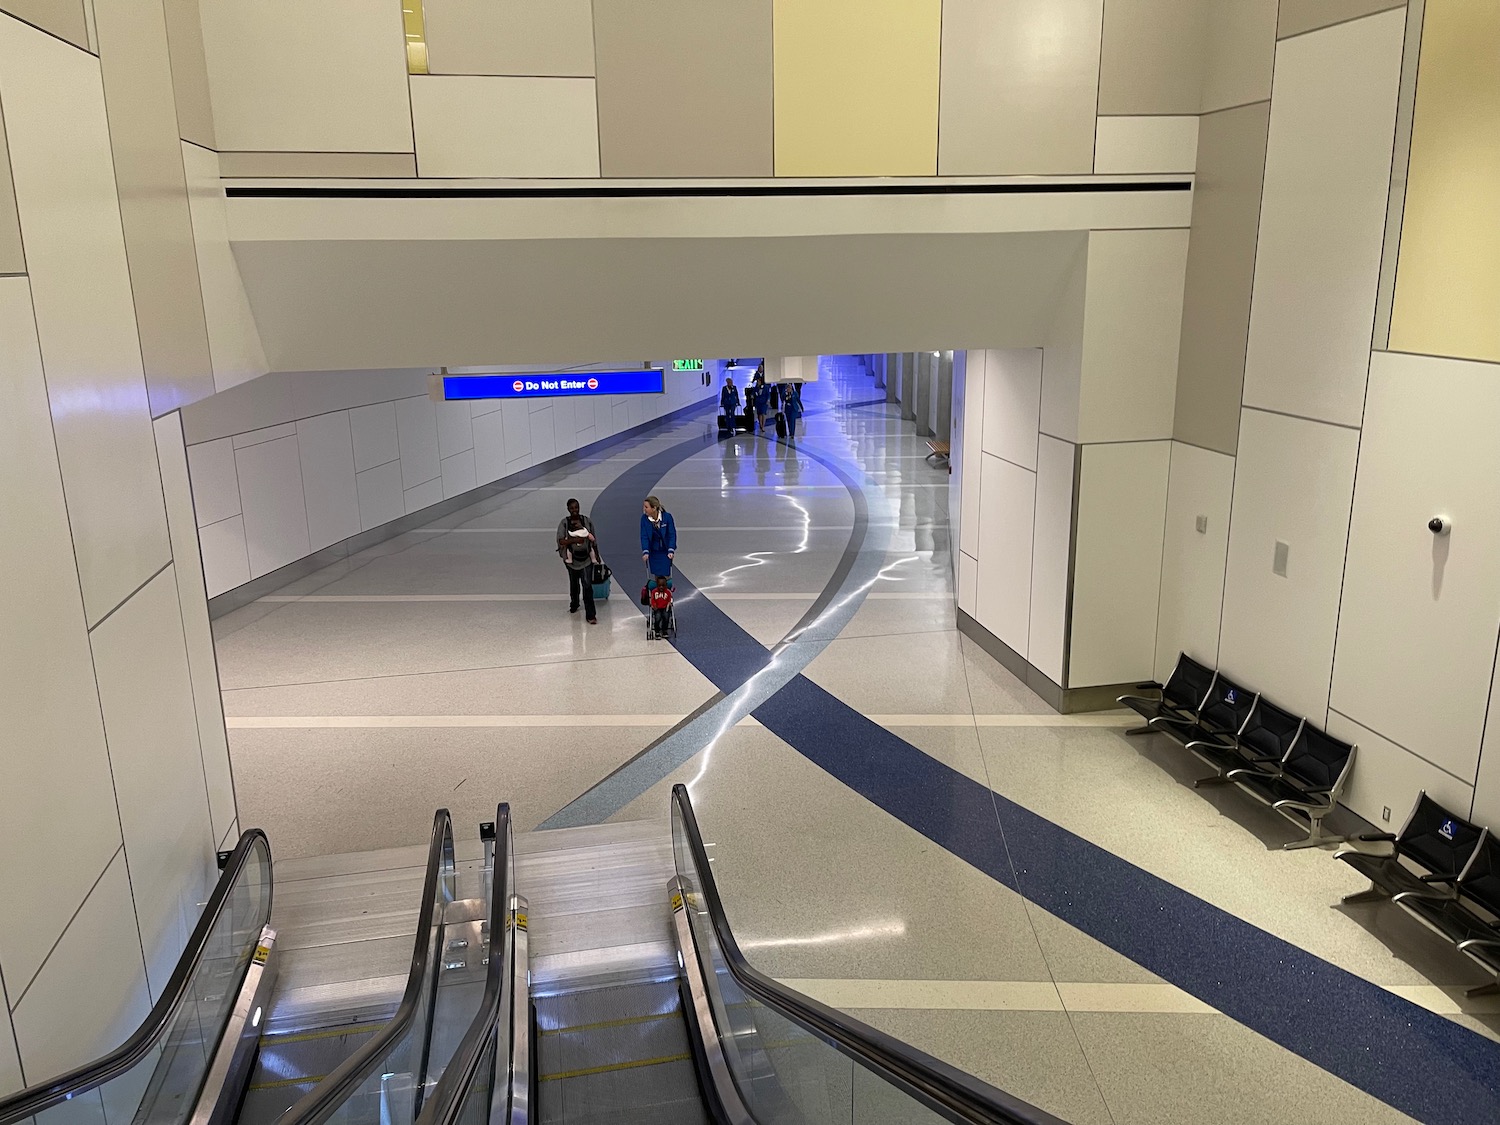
(325, 1033)
(615, 1066)
(285, 1082)
(626, 1022)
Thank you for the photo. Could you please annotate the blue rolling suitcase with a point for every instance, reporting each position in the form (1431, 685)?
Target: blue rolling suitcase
(599, 576)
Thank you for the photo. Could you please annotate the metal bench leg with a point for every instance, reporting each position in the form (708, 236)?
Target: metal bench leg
(1141, 730)
(1316, 837)
(1210, 782)
(1491, 989)
(1374, 894)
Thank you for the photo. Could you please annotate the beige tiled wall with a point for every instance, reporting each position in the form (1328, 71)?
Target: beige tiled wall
(63, 18)
(1151, 60)
(12, 256)
(527, 38)
(1298, 16)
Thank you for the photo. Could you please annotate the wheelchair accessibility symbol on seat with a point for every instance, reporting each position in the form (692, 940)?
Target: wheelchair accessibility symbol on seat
(1448, 829)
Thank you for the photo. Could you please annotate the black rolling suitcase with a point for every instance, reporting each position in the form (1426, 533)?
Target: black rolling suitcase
(780, 424)
(747, 419)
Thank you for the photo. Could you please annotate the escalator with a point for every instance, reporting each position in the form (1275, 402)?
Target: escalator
(612, 992)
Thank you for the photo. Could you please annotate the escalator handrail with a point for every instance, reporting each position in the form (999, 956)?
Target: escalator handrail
(323, 1100)
(958, 1096)
(448, 1097)
(80, 1080)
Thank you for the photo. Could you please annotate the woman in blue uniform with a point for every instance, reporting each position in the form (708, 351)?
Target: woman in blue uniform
(658, 538)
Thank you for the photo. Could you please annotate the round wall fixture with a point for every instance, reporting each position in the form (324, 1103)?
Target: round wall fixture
(1440, 525)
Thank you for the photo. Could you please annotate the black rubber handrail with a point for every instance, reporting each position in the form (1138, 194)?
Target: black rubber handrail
(957, 1096)
(90, 1076)
(323, 1100)
(446, 1102)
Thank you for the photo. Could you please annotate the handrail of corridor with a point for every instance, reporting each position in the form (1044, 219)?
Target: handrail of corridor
(449, 1097)
(957, 1096)
(324, 1100)
(252, 846)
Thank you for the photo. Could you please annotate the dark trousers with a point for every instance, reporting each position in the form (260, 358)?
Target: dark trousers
(659, 621)
(791, 425)
(577, 579)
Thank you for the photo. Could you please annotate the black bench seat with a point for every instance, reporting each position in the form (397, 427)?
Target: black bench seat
(1469, 915)
(1305, 785)
(1181, 696)
(1264, 739)
(1425, 856)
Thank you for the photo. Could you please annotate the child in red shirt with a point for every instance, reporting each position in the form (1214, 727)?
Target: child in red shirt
(661, 602)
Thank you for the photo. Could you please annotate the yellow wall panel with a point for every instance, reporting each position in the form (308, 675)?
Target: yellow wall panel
(856, 90)
(1448, 275)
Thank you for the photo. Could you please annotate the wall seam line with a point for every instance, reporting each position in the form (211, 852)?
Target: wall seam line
(1280, 39)
(10, 1019)
(216, 523)
(126, 599)
(1484, 727)
(67, 926)
(1304, 417)
(1094, 156)
(1399, 746)
(50, 34)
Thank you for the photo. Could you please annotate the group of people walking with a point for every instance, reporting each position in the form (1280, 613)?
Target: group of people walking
(781, 403)
(578, 547)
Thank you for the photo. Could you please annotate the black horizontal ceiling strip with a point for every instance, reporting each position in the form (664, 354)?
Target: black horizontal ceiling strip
(727, 191)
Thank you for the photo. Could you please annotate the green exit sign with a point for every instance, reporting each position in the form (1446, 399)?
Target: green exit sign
(687, 365)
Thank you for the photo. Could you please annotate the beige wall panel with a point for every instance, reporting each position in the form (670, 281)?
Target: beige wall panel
(1007, 508)
(1220, 273)
(10, 1061)
(1152, 56)
(1009, 402)
(1020, 84)
(536, 38)
(1062, 354)
(1487, 785)
(1322, 219)
(195, 114)
(287, 76)
(1293, 483)
(192, 596)
(1298, 16)
(75, 253)
(1448, 278)
(1192, 567)
(54, 839)
(1239, 54)
(857, 87)
(1126, 145)
(1122, 505)
(154, 201)
(146, 691)
(233, 341)
(968, 447)
(1416, 644)
(488, 126)
(80, 978)
(665, 108)
(12, 256)
(1386, 776)
(1131, 332)
(317, 165)
(1051, 547)
(64, 18)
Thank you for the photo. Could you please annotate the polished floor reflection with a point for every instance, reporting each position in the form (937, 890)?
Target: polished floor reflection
(898, 824)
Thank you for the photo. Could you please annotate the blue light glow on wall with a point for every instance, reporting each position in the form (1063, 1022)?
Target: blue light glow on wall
(531, 384)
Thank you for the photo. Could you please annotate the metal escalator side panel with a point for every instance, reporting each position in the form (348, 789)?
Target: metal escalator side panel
(700, 1015)
(230, 1067)
(517, 1093)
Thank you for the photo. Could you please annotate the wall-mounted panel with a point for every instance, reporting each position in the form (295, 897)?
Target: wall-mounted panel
(1240, 51)
(380, 495)
(1062, 353)
(1487, 786)
(146, 692)
(552, 38)
(317, 165)
(416, 425)
(233, 341)
(1301, 16)
(1011, 406)
(459, 473)
(326, 451)
(970, 450)
(422, 496)
(195, 114)
(153, 200)
(192, 597)
(1151, 60)
(544, 437)
(1007, 505)
(216, 487)
(10, 1060)
(1132, 330)
(968, 584)
(489, 446)
(1428, 449)
(77, 979)
(1448, 279)
(665, 106)
(1051, 558)
(1322, 220)
(856, 87)
(1220, 273)
(226, 560)
(275, 510)
(1126, 145)
(63, 18)
(455, 428)
(518, 432)
(287, 76)
(1192, 566)
(1020, 85)
(1122, 504)
(80, 284)
(12, 256)
(376, 439)
(1388, 777)
(1293, 484)
(56, 838)
(490, 126)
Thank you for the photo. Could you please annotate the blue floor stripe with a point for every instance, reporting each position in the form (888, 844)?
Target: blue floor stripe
(1420, 1063)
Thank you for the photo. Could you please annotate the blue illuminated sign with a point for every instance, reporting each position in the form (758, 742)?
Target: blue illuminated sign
(645, 381)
